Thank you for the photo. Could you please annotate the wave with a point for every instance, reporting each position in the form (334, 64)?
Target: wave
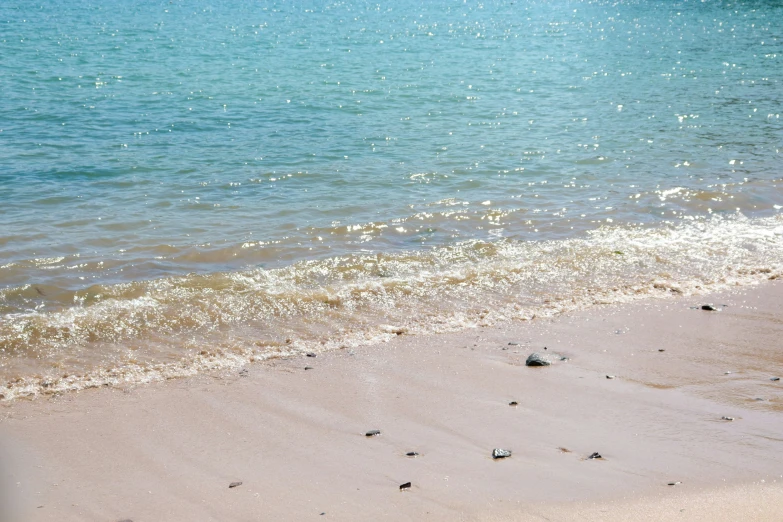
(144, 331)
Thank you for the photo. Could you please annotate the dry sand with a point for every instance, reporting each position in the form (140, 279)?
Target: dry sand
(296, 439)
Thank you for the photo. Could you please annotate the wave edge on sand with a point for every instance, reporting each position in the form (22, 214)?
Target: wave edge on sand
(154, 330)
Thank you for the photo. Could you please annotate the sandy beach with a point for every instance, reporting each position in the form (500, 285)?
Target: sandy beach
(290, 261)
(296, 438)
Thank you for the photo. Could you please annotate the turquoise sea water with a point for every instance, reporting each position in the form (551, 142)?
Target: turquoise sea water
(184, 187)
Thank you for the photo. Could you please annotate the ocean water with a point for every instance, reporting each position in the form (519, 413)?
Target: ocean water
(186, 187)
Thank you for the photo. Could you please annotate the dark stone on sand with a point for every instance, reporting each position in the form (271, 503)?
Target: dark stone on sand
(537, 359)
(498, 453)
(372, 433)
(595, 455)
(543, 359)
(774, 379)
(610, 376)
(661, 350)
(308, 367)
(513, 344)
(405, 486)
(675, 483)
(234, 485)
(727, 418)
(411, 454)
(311, 354)
(709, 308)
(513, 403)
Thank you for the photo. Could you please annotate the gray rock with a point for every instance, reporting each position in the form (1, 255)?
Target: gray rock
(543, 359)
(595, 455)
(773, 379)
(727, 418)
(709, 308)
(411, 454)
(498, 453)
(373, 433)
(234, 485)
(405, 486)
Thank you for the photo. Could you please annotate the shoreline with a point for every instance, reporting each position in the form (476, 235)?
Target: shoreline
(176, 327)
(296, 440)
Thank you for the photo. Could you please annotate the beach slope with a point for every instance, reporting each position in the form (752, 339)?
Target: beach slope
(665, 392)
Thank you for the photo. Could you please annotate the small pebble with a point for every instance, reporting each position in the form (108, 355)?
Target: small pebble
(595, 455)
(661, 350)
(774, 379)
(726, 373)
(537, 359)
(727, 418)
(610, 376)
(311, 354)
(405, 486)
(709, 308)
(500, 453)
(513, 403)
(234, 484)
(411, 454)
(372, 433)
(513, 344)
(675, 483)
(308, 367)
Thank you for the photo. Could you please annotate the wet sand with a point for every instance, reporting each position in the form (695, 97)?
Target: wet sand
(296, 440)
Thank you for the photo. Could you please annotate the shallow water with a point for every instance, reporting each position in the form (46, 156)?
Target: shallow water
(184, 187)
